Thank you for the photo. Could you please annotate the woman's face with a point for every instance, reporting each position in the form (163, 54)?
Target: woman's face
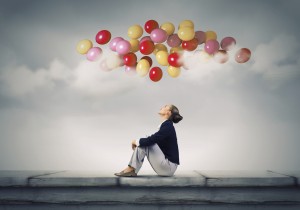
(165, 111)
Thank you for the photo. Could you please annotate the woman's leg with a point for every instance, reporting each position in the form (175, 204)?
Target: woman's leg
(156, 158)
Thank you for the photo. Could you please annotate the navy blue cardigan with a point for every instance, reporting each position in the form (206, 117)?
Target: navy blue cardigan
(166, 139)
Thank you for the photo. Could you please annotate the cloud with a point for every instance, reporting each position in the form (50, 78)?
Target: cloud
(86, 79)
(277, 61)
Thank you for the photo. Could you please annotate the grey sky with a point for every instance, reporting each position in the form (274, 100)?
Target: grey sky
(58, 111)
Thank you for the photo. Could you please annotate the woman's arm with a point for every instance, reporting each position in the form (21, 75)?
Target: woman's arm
(159, 136)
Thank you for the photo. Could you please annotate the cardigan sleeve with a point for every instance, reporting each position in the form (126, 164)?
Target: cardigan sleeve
(157, 137)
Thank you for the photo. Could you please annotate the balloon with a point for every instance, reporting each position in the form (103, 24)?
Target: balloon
(130, 70)
(187, 63)
(134, 43)
(242, 55)
(221, 56)
(160, 47)
(150, 25)
(143, 67)
(83, 46)
(103, 37)
(103, 65)
(173, 71)
(186, 23)
(175, 59)
(190, 45)
(158, 35)
(155, 74)
(146, 47)
(135, 31)
(201, 36)
(228, 43)
(162, 58)
(123, 47)
(176, 49)
(148, 59)
(113, 43)
(129, 59)
(113, 61)
(210, 35)
(186, 33)
(204, 56)
(168, 27)
(145, 38)
(173, 40)
(211, 46)
(94, 54)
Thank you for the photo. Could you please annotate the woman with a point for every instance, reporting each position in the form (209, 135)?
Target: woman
(160, 148)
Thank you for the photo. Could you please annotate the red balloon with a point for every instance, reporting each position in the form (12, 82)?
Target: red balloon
(129, 59)
(147, 47)
(148, 59)
(190, 45)
(103, 37)
(150, 25)
(243, 55)
(175, 59)
(155, 74)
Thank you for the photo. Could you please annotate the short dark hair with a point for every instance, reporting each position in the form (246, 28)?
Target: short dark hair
(175, 116)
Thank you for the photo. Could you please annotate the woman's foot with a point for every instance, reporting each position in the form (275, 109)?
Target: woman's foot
(129, 171)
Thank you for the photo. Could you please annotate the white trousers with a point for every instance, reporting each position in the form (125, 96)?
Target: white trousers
(161, 165)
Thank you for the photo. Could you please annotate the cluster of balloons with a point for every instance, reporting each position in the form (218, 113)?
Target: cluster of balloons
(156, 42)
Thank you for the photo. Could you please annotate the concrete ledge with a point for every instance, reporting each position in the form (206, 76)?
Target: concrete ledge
(198, 187)
(196, 178)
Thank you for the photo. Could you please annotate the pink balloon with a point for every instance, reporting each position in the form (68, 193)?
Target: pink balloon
(201, 36)
(211, 46)
(159, 35)
(113, 43)
(243, 55)
(173, 40)
(145, 38)
(123, 47)
(228, 43)
(94, 54)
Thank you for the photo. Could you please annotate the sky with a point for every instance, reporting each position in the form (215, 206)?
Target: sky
(59, 111)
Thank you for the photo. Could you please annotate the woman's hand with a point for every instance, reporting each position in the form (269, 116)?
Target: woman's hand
(133, 144)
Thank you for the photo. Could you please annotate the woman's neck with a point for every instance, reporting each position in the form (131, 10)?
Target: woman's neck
(163, 119)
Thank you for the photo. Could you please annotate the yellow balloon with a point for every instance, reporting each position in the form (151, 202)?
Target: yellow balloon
(162, 58)
(83, 46)
(176, 49)
(210, 35)
(134, 45)
(135, 31)
(160, 47)
(204, 56)
(173, 71)
(143, 67)
(168, 27)
(186, 23)
(186, 33)
(113, 61)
